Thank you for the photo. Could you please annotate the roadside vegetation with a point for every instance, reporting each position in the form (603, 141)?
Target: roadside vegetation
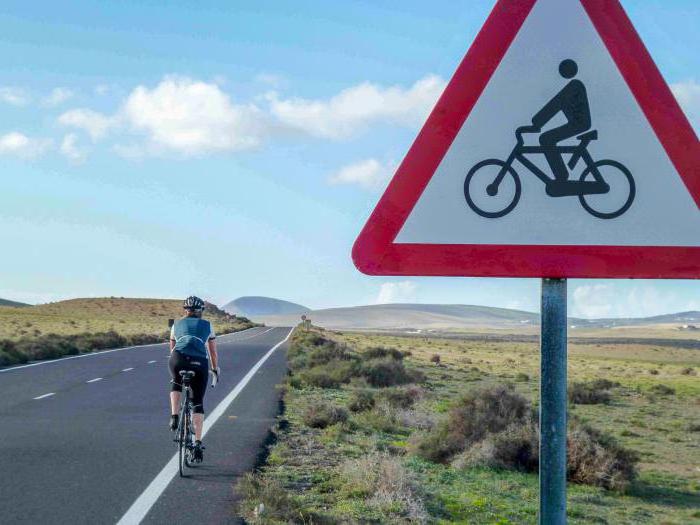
(389, 429)
(85, 325)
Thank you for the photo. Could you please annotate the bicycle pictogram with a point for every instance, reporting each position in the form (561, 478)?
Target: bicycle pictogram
(492, 188)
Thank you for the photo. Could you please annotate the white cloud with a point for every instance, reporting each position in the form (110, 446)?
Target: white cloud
(398, 292)
(192, 117)
(93, 123)
(606, 300)
(688, 96)
(355, 108)
(369, 174)
(57, 97)
(69, 148)
(20, 145)
(14, 96)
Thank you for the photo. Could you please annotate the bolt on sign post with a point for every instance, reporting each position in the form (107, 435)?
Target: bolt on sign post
(556, 151)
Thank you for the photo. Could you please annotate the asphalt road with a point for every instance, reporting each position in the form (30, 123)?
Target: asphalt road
(97, 449)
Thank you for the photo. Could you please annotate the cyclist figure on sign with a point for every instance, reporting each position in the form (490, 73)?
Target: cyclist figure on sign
(572, 102)
(192, 345)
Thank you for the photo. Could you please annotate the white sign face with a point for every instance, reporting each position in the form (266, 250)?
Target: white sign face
(624, 189)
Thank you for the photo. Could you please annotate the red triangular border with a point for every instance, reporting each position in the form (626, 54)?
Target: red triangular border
(375, 253)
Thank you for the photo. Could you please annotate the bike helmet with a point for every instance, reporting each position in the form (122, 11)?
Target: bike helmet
(193, 303)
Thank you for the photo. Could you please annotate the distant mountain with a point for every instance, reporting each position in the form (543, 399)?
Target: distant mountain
(259, 307)
(412, 316)
(7, 302)
(456, 316)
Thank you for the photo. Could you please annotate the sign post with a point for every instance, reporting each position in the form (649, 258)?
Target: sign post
(556, 151)
(553, 403)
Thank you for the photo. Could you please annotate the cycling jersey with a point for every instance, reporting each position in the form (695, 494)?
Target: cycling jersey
(191, 335)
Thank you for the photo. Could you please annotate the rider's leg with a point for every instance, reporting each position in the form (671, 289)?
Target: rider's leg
(548, 141)
(198, 420)
(174, 403)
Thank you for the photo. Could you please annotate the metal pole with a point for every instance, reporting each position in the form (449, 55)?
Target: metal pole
(553, 403)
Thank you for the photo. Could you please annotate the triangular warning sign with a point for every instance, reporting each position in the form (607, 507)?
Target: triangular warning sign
(556, 150)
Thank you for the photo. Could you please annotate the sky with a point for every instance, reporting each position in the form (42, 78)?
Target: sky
(159, 149)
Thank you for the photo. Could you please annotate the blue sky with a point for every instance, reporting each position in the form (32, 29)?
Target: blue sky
(236, 148)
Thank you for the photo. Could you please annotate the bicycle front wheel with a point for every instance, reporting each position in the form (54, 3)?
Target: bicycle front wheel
(622, 190)
(484, 197)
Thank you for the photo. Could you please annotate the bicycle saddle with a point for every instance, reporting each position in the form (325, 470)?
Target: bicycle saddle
(589, 135)
(186, 374)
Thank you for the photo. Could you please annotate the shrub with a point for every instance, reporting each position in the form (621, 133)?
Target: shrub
(9, 355)
(390, 492)
(689, 371)
(654, 372)
(322, 414)
(662, 390)
(380, 352)
(514, 448)
(388, 372)
(435, 358)
(330, 375)
(478, 413)
(324, 354)
(265, 500)
(594, 458)
(361, 400)
(522, 377)
(402, 397)
(588, 394)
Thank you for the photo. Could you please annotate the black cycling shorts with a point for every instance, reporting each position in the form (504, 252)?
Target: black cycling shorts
(200, 367)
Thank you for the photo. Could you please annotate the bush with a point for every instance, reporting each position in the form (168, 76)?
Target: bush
(9, 355)
(515, 448)
(265, 500)
(588, 394)
(388, 372)
(435, 358)
(379, 352)
(480, 412)
(389, 491)
(322, 414)
(594, 458)
(324, 354)
(361, 401)
(330, 375)
(522, 377)
(402, 397)
(662, 390)
(689, 371)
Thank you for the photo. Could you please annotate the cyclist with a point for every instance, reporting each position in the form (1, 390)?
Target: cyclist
(572, 101)
(192, 342)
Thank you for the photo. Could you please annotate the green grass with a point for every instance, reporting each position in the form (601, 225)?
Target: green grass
(311, 465)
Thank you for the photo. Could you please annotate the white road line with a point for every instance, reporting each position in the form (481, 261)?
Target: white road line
(145, 501)
(94, 380)
(102, 352)
(45, 395)
(127, 369)
(151, 362)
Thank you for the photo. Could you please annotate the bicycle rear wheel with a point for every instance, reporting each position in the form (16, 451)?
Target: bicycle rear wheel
(622, 190)
(182, 443)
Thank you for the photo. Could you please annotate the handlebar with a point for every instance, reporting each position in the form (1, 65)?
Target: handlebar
(522, 130)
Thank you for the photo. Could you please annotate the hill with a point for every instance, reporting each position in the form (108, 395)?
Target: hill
(122, 315)
(254, 306)
(412, 316)
(15, 304)
(406, 317)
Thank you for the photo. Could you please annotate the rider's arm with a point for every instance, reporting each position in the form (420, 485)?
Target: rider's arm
(546, 114)
(172, 339)
(212, 353)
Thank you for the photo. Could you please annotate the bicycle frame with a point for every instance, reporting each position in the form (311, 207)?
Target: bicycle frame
(520, 151)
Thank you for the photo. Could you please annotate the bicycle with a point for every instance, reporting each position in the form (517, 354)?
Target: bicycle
(185, 430)
(481, 182)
